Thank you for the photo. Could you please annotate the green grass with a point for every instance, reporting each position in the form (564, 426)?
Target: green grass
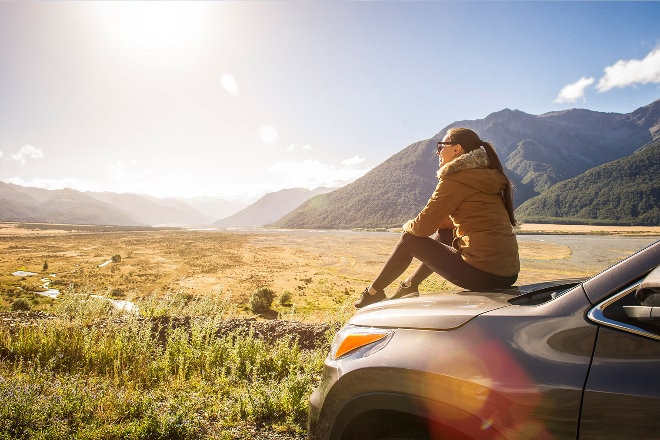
(91, 375)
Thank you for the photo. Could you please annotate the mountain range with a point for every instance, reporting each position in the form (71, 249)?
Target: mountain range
(270, 207)
(68, 206)
(576, 165)
(538, 152)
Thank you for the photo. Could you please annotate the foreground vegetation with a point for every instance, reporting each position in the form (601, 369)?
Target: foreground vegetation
(95, 374)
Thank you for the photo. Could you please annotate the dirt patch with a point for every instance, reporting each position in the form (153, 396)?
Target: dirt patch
(589, 229)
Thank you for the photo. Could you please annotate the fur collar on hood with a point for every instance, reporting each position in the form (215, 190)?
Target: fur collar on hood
(474, 159)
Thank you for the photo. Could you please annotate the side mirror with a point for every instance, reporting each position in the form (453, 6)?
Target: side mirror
(648, 295)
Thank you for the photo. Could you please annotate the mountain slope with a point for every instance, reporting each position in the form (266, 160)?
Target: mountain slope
(155, 212)
(384, 197)
(57, 206)
(538, 152)
(269, 208)
(625, 191)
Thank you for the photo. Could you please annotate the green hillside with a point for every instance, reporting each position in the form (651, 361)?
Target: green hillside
(622, 192)
(387, 196)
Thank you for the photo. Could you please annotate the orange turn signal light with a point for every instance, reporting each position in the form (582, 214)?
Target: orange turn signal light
(353, 342)
(352, 338)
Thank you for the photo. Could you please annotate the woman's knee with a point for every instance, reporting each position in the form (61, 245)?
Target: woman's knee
(408, 237)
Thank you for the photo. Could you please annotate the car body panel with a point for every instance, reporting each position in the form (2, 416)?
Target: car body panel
(437, 312)
(443, 311)
(621, 398)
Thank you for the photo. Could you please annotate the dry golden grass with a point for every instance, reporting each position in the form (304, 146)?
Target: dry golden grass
(590, 229)
(321, 270)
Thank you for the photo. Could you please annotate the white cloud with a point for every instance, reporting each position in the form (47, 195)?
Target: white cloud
(312, 174)
(575, 91)
(626, 73)
(27, 152)
(355, 160)
(623, 73)
(123, 171)
(229, 84)
(268, 134)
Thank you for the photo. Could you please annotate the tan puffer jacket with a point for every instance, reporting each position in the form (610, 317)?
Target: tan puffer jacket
(469, 194)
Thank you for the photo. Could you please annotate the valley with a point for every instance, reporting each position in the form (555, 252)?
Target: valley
(320, 271)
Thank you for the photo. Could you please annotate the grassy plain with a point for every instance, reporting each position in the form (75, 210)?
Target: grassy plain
(321, 271)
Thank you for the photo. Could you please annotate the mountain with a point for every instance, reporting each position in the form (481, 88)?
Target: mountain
(58, 206)
(270, 207)
(624, 192)
(538, 152)
(386, 196)
(19, 203)
(215, 208)
(154, 212)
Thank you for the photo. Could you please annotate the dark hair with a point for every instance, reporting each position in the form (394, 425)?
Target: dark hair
(470, 141)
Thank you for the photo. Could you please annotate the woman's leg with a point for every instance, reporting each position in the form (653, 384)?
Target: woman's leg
(444, 236)
(440, 258)
(401, 257)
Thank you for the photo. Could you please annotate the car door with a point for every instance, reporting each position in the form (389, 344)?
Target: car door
(622, 390)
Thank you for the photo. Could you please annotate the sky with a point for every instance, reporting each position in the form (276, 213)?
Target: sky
(237, 99)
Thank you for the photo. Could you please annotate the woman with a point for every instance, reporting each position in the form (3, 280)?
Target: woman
(473, 197)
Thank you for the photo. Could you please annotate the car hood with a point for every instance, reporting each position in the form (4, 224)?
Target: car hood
(442, 311)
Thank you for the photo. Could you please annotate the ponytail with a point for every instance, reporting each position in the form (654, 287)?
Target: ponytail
(507, 192)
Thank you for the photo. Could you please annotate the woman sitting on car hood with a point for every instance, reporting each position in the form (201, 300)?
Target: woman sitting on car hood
(465, 231)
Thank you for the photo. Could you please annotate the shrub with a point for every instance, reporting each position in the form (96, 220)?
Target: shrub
(261, 300)
(117, 293)
(285, 299)
(20, 304)
(116, 258)
(45, 268)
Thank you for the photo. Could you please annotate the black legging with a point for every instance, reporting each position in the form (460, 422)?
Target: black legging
(437, 255)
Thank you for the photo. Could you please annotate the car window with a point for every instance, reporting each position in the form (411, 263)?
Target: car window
(634, 309)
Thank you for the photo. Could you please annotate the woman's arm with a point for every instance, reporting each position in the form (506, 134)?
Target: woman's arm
(447, 196)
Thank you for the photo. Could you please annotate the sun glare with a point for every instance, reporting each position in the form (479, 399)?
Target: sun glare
(151, 30)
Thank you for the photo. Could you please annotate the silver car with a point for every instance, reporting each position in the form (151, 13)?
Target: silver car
(565, 360)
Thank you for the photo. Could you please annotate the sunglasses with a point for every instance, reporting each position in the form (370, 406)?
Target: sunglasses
(441, 145)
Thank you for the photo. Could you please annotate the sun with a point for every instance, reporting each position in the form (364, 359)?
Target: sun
(151, 30)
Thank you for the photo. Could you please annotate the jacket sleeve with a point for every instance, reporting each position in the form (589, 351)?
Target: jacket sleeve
(435, 215)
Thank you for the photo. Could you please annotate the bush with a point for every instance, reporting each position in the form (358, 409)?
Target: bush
(20, 304)
(116, 258)
(261, 300)
(117, 293)
(285, 299)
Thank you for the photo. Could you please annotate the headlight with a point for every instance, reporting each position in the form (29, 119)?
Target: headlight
(359, 341)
